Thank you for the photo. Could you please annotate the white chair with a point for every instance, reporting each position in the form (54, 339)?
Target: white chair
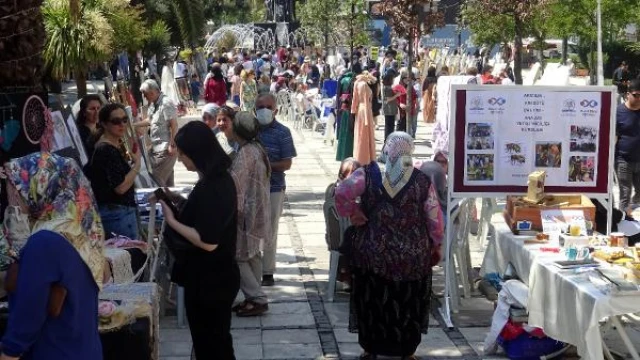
(459, 264)
(283, 103)
(489, 206)
(334, 259)
(329, 121)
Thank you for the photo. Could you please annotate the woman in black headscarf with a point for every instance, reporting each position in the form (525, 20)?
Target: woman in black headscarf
(208, 270)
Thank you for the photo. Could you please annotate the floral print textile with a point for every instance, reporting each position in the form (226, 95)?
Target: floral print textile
(396, 241)
(60, 199)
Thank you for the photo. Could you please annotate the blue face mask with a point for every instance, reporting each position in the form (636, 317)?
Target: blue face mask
(264, 116)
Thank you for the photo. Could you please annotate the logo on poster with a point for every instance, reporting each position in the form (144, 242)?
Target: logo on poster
(476, 104)
(569, 106)
(497, 101)
(589, 108)
(589, 104)
(496, 105)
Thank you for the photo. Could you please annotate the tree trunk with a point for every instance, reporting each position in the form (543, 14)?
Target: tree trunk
(326, 39)
(517, 57)
(541, 48)
(565, 50)
(81, 83)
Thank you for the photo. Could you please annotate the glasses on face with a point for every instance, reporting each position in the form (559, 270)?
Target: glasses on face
(119, 121)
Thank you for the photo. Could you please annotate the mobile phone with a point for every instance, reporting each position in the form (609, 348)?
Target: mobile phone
(161, 195)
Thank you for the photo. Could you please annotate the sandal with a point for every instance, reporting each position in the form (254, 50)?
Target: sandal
(239, 306)
(252, 309)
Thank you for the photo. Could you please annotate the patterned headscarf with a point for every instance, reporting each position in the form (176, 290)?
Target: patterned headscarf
(60, 199)
(399, 164)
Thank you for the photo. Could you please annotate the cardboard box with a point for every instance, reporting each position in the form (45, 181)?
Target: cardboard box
(518, 209)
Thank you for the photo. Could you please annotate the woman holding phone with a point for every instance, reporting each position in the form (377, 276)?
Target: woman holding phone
(113, 175)
(207, 268)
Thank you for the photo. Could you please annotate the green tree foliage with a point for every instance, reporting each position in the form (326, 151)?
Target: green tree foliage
(332, 22)
(130, 31)
(75, 40)
(521, 14)
(486, 28)
(85, 32)
(191, 21)
(159, 39)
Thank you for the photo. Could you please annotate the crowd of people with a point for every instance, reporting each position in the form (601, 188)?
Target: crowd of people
(228, 226)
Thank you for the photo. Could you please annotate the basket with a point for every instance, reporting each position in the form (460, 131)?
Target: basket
(526, 347)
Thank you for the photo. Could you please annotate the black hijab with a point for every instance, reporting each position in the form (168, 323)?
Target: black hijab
(197, 142)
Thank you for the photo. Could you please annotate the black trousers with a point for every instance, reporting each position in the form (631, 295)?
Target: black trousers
(402, 122)
(208, 303)
(389, 125)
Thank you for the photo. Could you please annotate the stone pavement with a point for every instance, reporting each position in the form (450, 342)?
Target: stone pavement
(301, 323)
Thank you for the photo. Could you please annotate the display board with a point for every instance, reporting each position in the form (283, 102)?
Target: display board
(501, 134)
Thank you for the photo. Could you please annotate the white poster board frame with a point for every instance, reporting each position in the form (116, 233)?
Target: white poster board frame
(454, 197)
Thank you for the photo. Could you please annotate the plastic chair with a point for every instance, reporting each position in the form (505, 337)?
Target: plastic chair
(283, 104)
(460, 258)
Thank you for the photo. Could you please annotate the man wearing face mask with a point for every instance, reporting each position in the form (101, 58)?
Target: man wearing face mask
(277, 141)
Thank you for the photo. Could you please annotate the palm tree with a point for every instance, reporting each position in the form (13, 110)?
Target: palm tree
(191, 21)
(76, 38)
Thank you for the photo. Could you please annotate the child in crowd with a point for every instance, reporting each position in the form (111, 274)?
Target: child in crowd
(196, 86)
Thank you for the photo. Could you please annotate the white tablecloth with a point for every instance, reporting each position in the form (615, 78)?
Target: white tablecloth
(562, 302)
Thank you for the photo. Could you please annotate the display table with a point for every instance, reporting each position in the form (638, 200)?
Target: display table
(144, 332)
(138, 340)
(564, 303)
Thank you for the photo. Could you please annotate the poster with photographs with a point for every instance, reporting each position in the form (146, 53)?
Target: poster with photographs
(510, 133)
(480, 136)
(514, 159)
(582, 169)
(480, 168)
(583, 139)
(61, 137)
(73, 130)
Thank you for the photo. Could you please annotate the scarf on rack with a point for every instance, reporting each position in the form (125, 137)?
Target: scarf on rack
(59, 199)
(399, 163)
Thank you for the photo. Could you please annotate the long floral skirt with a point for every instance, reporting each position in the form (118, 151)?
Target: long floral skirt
(389, 316)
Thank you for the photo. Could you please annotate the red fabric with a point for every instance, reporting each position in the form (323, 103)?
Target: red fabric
(282, 54)
(488, 79)
(511, 331)
(215, 92)
(132, 103)
(402, 99)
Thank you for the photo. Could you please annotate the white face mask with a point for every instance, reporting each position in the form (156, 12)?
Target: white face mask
(264, 116)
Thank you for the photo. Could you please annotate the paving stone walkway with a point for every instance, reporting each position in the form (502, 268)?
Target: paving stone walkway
(301, 323)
